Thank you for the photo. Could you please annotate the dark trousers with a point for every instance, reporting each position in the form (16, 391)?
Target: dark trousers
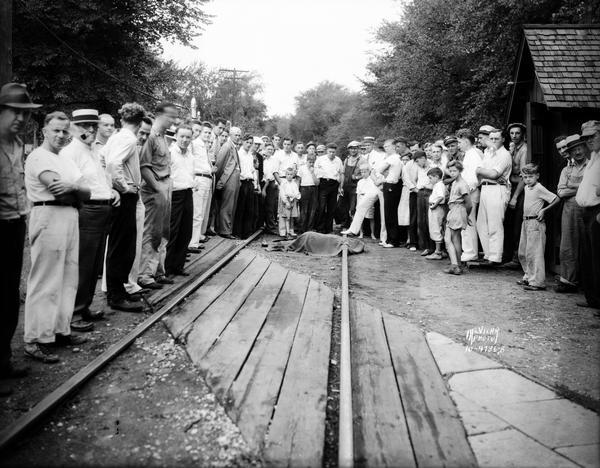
(309, 202)
(328, 190)
(182, 218)
(12, 239)
(391, 199)
(347, 205)
(121, 247)
(271, 200)
(94, 223)
(245, 213)
(513, 219)
(590, 263)
(425, 241)
(413, 231)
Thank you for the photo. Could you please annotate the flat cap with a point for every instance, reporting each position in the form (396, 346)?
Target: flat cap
(516, 124)
(353, 144)
(485, 130)
(449, 140)
(590, 128)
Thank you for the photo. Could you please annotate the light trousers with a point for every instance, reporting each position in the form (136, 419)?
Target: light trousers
(470, 239)
(490, 220)
(531, 252)
(157, 220)
(382, 228)
(202, 196)
(365, 203)
(131, 286)
(54, 274)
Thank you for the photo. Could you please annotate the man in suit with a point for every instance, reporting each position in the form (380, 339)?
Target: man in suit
(227, 183)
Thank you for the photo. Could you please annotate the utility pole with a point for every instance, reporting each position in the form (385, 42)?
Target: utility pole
(232, 74)
(5, 41)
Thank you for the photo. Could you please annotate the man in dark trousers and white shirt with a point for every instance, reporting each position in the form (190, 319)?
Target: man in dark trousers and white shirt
(227, 183)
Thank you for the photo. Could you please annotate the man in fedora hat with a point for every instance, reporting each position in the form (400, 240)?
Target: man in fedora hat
(571, 227)
(588, 197)
(514, 216)
(15, 110)
(94, 214)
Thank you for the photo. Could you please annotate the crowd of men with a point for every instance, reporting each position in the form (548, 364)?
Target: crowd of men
(130, 200)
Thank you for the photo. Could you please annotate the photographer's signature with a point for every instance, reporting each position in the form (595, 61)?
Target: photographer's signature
(484, 340)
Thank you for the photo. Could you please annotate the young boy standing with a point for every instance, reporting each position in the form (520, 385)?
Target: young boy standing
(437, 211)
(533, 229)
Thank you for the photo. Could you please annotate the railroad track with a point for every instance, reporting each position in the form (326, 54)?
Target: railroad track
(166, 300)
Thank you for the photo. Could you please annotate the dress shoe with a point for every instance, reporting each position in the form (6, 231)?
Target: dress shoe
(210, 232)
(39, 352)
(512, 265)
(426, 252)
(562, 288)
(14, 372)
(587, 304)
(92, 315)
(453, 270)
(531, 287)
(151, 285)
(127, 306)
(69, 340)
(228, 236)
(194, 250)
(164, 280)
(434, 256)
(385, 245)
(522, 282)
(82, 325)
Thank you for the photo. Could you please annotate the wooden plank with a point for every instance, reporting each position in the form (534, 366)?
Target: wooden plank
(436, 431)
(254, 392)
(380, 431)
(297, 432)
(197, 303)
(223, 361)
(202, 264)
(212, 322)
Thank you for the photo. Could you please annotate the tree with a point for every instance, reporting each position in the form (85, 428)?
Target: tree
(119, 38)
(448, 63)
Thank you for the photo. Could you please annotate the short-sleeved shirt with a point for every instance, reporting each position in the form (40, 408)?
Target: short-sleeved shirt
(285, 161)
(93, 173)
(270, 165)
(501, 161)
(367, 187)
(202, 163)
(13, 198)
(472, 159)
(534, 199)
(156, 156)
(390, 168)
(326, 168)
(458, 189)
(41, 160)
(423, 181)
(306, 178)
(182, 168)
(438, 193)
(570, 179)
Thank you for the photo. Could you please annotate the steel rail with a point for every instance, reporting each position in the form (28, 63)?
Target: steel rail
(346, 434)
(49, 402)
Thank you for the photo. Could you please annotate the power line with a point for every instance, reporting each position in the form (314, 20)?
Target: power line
(233, 76)
(92, 64)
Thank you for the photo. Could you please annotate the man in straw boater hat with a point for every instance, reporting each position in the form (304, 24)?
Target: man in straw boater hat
(571, 226)
(588, 197)
(94, 214)
(56, 188)
(15, 110)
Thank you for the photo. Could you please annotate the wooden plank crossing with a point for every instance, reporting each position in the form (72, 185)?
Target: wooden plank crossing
(261, 337)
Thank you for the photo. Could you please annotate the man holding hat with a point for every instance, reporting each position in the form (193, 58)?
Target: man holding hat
(571, 227)
(588, 197)
(94, 214)
(514, 217)
(15, 110)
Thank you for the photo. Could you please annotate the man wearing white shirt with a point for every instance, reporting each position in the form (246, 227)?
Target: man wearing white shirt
(121, 155)
(182, 201)
(375, 157)
(245, 212)
(203, 178)
(472, 159)
(391, 169)
(330, 172)
(287, 158)
(495, 193)
(588, 197)
(94, 214)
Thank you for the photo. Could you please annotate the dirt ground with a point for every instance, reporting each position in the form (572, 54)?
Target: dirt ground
(544, 335)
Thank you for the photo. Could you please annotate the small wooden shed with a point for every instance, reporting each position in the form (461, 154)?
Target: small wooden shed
(555, 88)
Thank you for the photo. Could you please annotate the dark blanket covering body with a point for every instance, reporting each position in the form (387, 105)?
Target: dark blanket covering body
(322, 245)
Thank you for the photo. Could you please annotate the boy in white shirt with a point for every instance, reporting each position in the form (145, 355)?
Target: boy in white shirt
(437, 211)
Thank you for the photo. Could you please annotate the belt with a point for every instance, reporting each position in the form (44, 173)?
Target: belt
(54, 203)
(326, 178)
(525, 218)
(20, 219)
(246, 180)
(98, 202)
(208, 176)
(490, 183)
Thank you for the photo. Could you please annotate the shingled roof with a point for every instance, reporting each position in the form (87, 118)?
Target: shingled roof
(566, 59)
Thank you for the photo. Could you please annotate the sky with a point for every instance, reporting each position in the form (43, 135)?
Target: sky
(292, 44)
